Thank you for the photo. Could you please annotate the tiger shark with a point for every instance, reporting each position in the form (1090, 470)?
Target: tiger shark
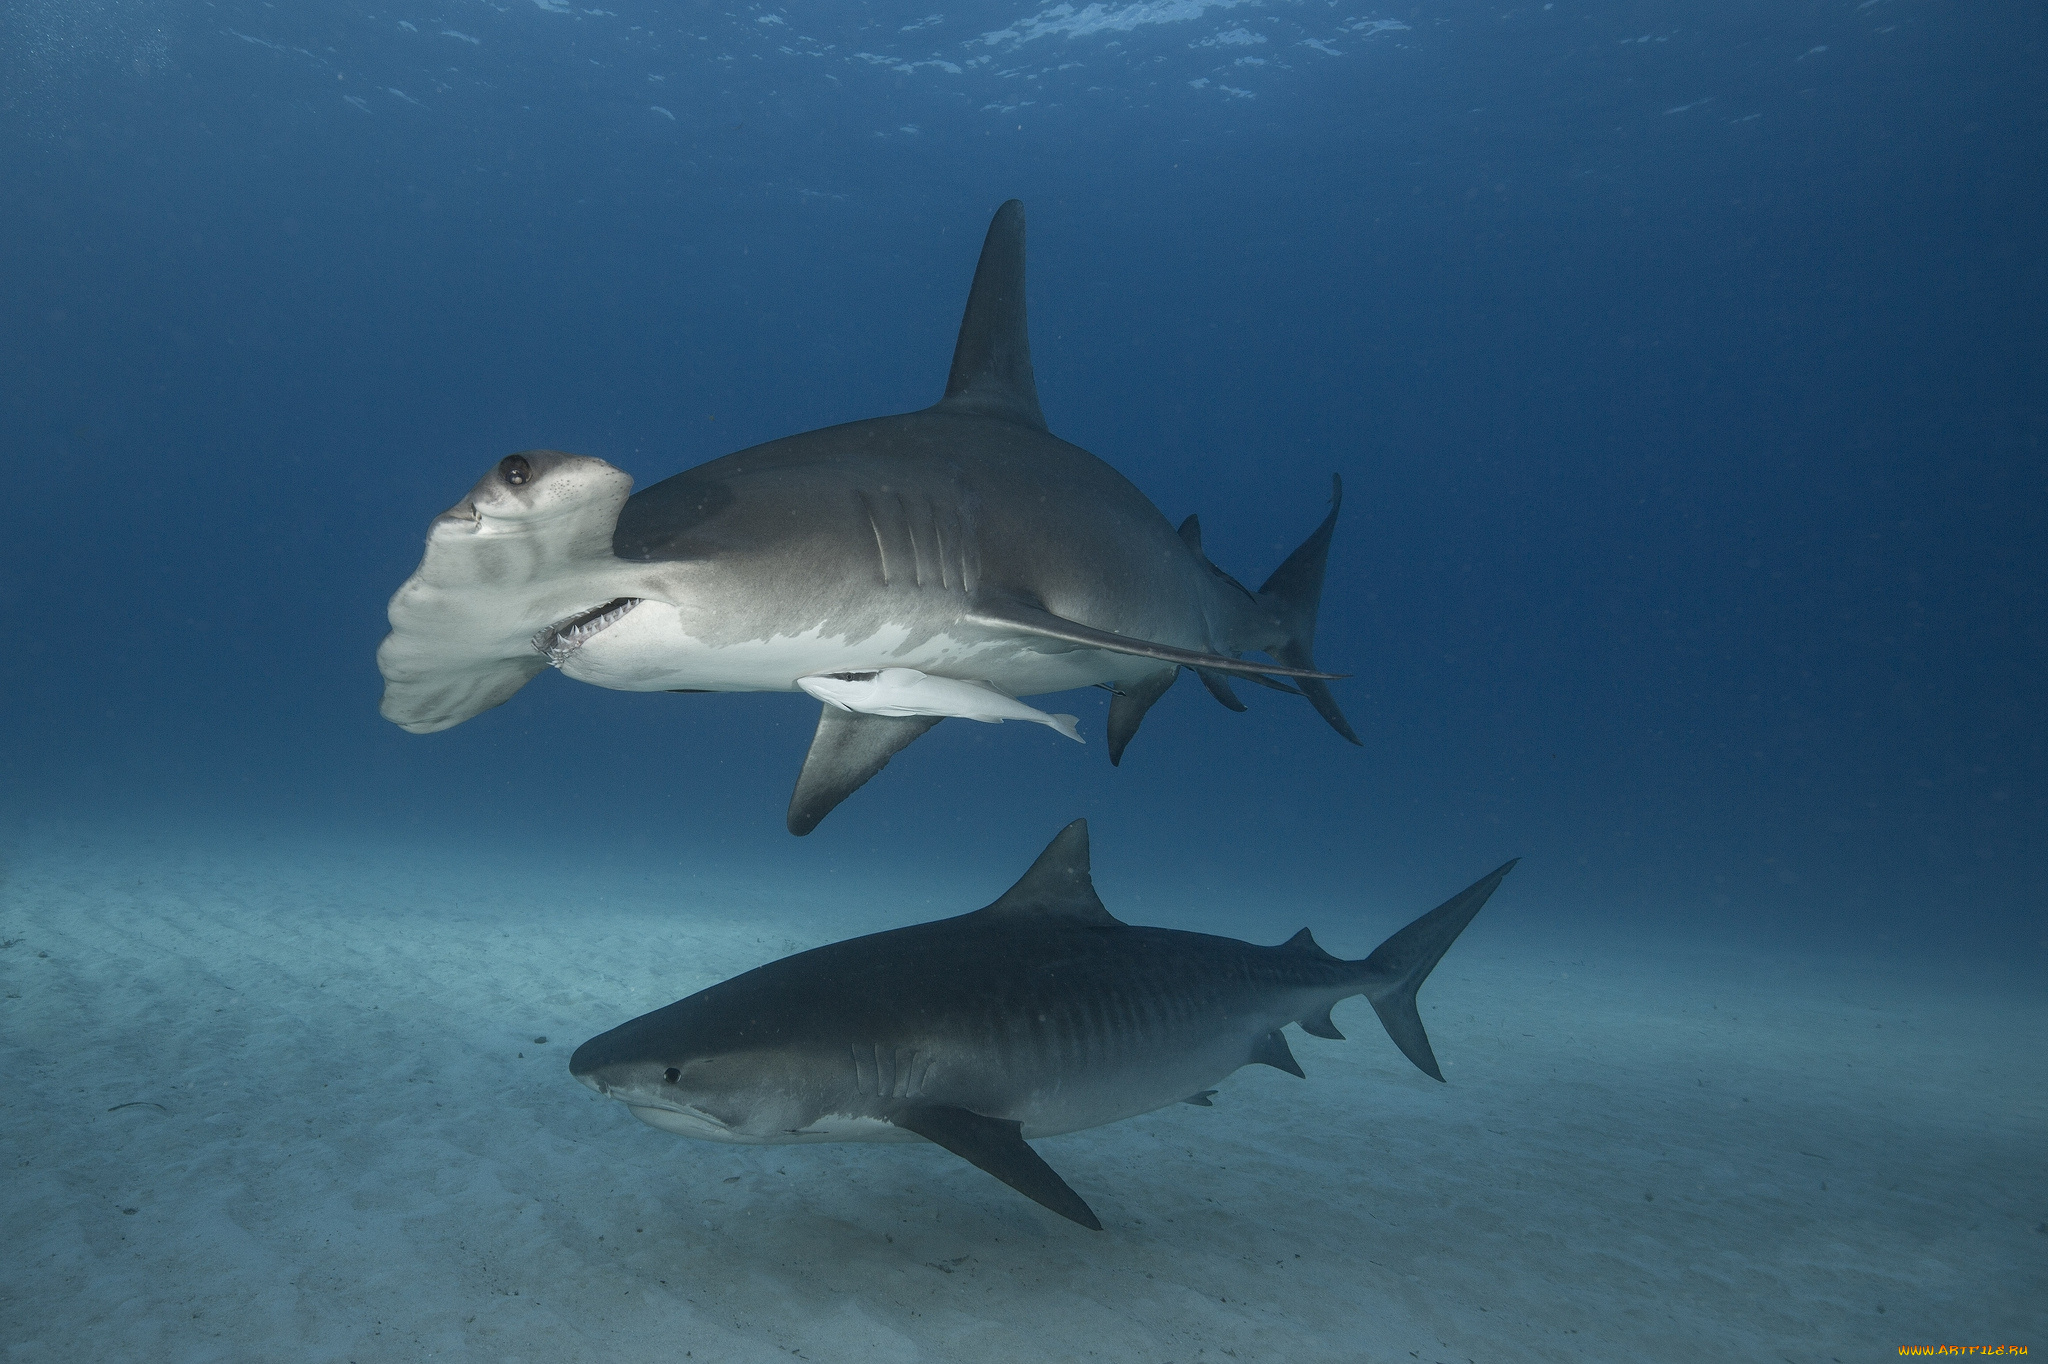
(1038, 1015)
(964, 542)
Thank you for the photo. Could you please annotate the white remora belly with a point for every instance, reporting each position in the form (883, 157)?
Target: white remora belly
(902, 692)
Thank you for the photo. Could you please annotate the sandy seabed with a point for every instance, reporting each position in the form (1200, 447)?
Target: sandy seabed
(286, 1099)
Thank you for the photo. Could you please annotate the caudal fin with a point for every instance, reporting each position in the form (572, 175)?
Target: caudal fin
(1292, 595)
(1398, 966)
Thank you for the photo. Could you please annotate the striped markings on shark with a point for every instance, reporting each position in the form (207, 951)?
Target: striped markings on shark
(1038, 1015)
(964, 543)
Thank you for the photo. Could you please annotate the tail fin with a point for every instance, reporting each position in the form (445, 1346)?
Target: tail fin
(1398, 966)
(1292, 595)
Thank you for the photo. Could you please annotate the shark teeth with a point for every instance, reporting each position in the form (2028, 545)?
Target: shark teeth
(565, 637)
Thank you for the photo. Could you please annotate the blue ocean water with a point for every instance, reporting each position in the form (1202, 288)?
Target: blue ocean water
(1683, 365)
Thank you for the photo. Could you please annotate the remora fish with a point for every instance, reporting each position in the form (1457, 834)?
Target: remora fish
(964, 541)
(1038, 1015)
(906, 691)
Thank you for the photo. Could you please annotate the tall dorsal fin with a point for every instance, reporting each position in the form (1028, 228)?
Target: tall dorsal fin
(1058, 886)
(991, 374)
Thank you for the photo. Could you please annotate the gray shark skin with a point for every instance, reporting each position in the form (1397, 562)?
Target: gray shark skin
(964, 541)
(1037, 1015)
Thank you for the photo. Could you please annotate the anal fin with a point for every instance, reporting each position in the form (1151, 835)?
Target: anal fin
(997, 1146)
(848, 748)
(1273, 683)
(1319, 1025)
(1219, 687)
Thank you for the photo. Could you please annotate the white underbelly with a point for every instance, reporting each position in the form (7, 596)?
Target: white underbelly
(831, 1127)
(1120, 1091)
(648, 650)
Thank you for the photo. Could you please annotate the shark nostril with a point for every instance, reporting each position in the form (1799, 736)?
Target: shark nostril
(671, 1075)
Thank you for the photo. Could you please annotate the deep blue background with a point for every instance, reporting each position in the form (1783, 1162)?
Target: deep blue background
(1684, 364)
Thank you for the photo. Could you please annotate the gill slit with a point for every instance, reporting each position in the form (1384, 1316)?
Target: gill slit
(910, 534)
(875, 528)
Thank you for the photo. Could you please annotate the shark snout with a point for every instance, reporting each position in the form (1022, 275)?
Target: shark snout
(598, 1064)
(586, 1062)
(609, 1083)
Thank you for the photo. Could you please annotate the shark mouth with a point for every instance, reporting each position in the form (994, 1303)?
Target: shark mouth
(565, 637)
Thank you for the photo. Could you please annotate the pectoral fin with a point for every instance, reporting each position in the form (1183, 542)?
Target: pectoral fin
(1015, 617)
(997, 1146)
(847, 749)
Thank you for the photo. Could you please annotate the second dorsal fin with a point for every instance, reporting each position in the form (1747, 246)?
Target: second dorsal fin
(991, 374)
(1305, 941)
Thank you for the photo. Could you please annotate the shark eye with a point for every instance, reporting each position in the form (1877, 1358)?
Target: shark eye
(515, 470)
(671, 1075)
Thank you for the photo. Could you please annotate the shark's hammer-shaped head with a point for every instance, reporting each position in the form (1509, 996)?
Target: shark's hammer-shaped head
(529, 548)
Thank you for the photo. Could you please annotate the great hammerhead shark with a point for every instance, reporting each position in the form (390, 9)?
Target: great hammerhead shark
(902, 569)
